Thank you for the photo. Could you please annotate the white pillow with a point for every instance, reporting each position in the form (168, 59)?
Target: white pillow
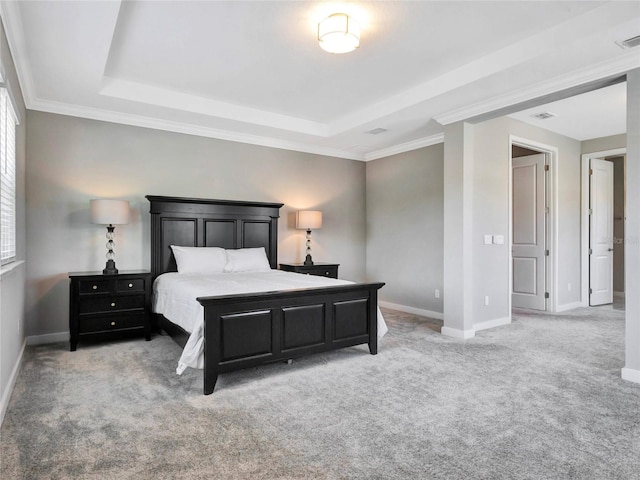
(199, 259)
(247, 260)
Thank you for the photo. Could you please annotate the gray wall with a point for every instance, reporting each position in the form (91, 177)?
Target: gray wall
(487, 151)
(492, 202)
(603, 144)
(71, 160)
(405, 226)
(12, 283)
(405, 221)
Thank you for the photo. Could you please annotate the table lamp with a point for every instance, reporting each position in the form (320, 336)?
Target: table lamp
(308, 220)
(109, 213)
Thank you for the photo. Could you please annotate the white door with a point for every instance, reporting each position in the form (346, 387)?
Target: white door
(528, 235)
(601, 232)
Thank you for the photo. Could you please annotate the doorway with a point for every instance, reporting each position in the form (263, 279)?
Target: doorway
(603, 206)
(531, 215)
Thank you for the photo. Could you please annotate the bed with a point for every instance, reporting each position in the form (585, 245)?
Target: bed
(250, 329)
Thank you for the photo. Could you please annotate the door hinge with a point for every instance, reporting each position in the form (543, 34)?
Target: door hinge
(546, 294)
(589, 212)
(591, 171)
(590, 291)
(590, 251)
(546, 167)
(546, 253)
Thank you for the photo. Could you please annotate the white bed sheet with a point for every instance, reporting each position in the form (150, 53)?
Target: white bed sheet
(174, 296)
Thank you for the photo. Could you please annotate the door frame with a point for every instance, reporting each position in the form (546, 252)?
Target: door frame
(584, 217)
(551, 235)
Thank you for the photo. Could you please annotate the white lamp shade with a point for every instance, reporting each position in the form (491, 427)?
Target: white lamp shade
(109, 212)
(309, 219)
(339, 33)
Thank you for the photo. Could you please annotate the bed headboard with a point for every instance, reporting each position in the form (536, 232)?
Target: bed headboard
(195, 222)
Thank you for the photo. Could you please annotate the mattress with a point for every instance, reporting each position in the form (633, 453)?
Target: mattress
(174, 297)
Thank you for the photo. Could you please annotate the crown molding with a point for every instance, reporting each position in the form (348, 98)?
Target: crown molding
(164, 97)
(405, 147)
(12, 22)
(188, 129)
(619, 65)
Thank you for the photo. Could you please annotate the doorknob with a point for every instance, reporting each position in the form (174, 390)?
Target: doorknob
(610, 249)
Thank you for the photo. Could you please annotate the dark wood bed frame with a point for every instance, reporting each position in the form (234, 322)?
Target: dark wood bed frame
(253, 329)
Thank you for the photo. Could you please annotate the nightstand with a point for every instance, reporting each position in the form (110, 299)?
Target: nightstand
(109, 305)
(320, 269)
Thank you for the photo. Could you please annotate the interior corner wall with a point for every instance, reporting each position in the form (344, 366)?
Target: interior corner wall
(405, 227)
(459, 211)
(491, 215)
(72, 160)
(12, 283)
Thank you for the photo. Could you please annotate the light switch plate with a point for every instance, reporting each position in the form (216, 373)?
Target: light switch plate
(498, 239)
(487, 240)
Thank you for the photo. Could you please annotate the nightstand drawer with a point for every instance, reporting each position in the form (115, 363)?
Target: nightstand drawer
(94, 286)
(320, 269)
(132, 285)
(331, 272)
(111, 304)
(320, 272)
(114, 322)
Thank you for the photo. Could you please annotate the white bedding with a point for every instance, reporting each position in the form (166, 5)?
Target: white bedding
(174, 296)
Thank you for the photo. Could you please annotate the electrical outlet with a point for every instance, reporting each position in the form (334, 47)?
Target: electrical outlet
(437, 293)
(486, 300)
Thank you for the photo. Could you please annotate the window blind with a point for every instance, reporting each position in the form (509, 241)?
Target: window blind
(7, 179)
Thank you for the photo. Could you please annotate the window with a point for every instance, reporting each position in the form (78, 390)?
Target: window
(7, 179)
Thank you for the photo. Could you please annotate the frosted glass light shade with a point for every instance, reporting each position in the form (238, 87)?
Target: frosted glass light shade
(339, 33)
(109, 212)
(309, 219)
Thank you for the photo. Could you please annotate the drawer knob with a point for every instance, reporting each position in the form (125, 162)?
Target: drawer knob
(131, 285)
(113, 304)
(113, 324)
(326, 273)
(95, 287)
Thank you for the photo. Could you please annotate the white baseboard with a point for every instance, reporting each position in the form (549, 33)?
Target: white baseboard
(415, 311)
(568, 306)
(48, 338)
(448, 331)
(630, 375)
(456, 333)
(6, 396)
(498, 322)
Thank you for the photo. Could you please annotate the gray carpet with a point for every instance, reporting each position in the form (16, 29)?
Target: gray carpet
(539, 399)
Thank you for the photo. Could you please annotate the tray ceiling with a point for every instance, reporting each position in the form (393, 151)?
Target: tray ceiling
(253, 71)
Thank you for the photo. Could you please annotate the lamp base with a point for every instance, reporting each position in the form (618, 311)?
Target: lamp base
(110, 268)
(308, 260)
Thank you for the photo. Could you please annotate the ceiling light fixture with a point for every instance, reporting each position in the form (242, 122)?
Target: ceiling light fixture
(339, 33)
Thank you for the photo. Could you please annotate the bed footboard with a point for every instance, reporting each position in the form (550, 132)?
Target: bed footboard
(244, 331)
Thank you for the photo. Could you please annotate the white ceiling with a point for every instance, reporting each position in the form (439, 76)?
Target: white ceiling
(252, 71)
(598, 113)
